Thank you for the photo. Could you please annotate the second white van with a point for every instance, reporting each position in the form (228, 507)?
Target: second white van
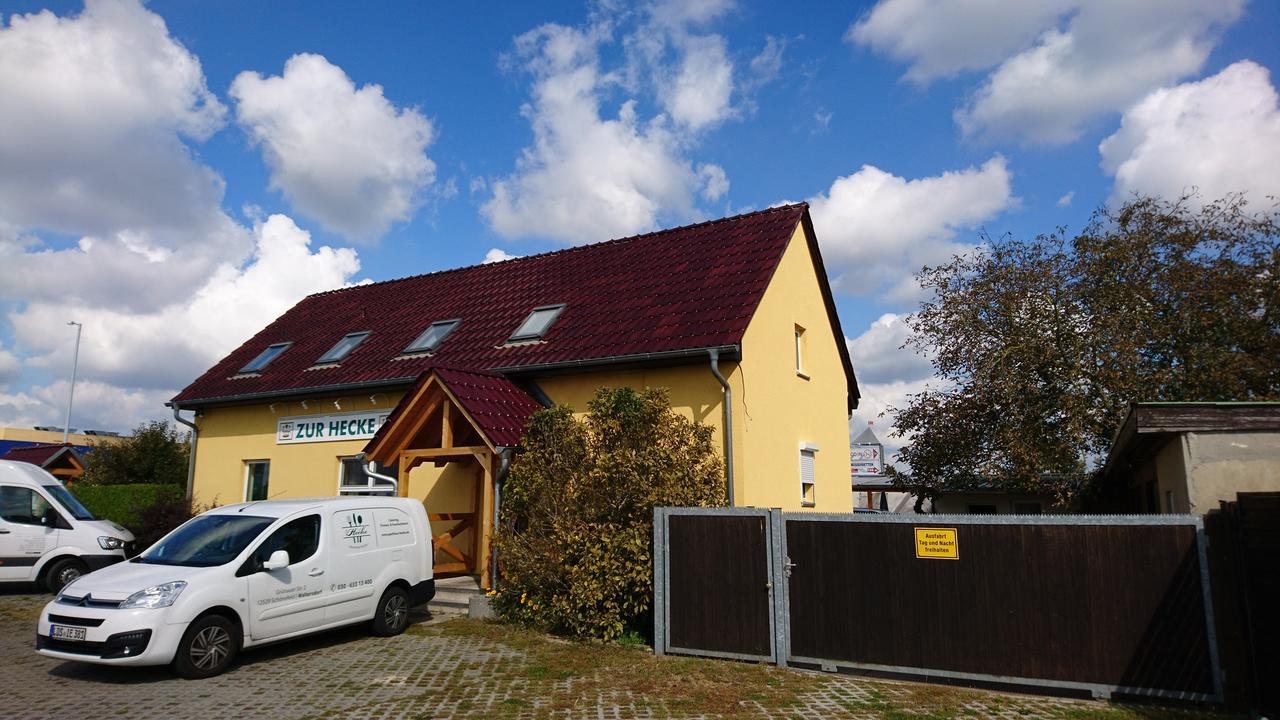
(244, 575)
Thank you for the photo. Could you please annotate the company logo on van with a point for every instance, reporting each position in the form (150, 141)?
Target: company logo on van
(355, 531)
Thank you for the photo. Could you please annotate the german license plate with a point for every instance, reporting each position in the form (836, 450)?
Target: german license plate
(61, 632)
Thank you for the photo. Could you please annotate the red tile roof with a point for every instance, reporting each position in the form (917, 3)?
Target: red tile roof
(39, 455)
(683, 289)
(499, 407)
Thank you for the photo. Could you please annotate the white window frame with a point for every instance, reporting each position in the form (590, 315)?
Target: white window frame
(449, 325)
(519, 337)
(800, 353)
(809, 490)
(344, 490)
(248, 477)
(362, 334)
(248, 367)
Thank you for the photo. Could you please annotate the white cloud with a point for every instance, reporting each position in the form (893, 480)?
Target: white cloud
(98, 110)
(343, 155)
(9, 366)
(497, 255)
(878, 229)
(94, 109)
(697, 95)
(1057, 65)
(879, 357)
(888, 376)
(940, 39)
(165, 348)
(597, 167)
(767, 64)
(589, 177)
(1219, 135)
(1067, 197)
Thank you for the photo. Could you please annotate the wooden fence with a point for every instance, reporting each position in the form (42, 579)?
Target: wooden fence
(1098, 604)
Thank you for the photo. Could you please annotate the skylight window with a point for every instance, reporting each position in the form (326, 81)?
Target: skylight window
(535, 326)
(343, 348)
(431, 338)
(265, 357)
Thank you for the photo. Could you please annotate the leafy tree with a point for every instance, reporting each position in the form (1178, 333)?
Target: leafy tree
(1041, 345)
(576, 523)
(155, 453)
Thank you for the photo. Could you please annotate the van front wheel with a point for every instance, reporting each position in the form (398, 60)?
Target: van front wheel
(207, 648)
(392, 614)
(62, 573)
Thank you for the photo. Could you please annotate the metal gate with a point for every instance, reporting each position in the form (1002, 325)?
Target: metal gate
(1103, 604)
(714, 592)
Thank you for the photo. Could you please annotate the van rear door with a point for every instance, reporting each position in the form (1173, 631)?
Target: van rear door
(366, 542)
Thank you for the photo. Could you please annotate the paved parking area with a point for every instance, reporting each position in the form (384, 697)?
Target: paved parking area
(434, 672)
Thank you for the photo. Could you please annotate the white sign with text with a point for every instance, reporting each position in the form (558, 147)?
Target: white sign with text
(328, 428)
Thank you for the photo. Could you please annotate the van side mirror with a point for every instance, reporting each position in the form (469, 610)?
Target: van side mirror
(278, 559)
(52, 519)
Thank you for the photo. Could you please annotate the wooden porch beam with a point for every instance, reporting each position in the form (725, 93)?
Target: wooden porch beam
(485, 526)
(459, 453)
(446, 425)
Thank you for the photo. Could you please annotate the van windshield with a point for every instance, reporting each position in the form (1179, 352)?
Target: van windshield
(69, 501)
(206, 541)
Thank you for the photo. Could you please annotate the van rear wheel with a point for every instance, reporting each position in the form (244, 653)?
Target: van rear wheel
(207, 648)
(392, 615)
(62, 573)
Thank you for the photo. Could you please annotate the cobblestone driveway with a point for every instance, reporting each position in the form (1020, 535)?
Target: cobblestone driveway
(425, 673)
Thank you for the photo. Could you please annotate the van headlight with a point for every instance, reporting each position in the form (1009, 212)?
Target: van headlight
(156, 596)
(110, 543)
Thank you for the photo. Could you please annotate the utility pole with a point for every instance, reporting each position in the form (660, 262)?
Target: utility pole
(75, 365)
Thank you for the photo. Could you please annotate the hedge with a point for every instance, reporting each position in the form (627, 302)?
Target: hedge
(121, 503)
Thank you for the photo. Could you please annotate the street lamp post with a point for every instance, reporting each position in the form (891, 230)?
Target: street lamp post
(75, 365)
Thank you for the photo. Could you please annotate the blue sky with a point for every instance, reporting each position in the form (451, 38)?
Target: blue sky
(174, 175)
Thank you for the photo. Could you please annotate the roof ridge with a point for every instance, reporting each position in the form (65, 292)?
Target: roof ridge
(565, 251)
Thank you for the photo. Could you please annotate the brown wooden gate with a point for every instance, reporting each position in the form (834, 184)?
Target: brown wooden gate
(1245, 560)
(1106, 606)
(1099, 604)
(714, 569)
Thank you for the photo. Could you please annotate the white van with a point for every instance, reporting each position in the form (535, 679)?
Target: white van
(244, 575)
(46, 535)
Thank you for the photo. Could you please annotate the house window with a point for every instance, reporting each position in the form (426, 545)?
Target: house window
(431, 338)
(265, 357)
(1168, 501)
(353, 480)
(801, 353)
(343, 348)
(808, 490)
(256, 472)
(536, 325)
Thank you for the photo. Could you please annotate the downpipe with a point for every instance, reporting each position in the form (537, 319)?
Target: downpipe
(728, 422)
(504, 466)
(372, 474)
(191, 458)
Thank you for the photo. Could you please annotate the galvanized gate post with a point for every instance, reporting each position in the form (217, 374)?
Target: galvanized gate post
(659, 581)
(781, 596)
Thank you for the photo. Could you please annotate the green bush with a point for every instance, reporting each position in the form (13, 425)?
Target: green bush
(124, 503)
(576, 527)
(156, 453)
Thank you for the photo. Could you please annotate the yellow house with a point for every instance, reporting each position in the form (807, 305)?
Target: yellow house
(433, 377)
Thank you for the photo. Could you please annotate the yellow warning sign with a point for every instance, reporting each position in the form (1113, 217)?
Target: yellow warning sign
(937, 544)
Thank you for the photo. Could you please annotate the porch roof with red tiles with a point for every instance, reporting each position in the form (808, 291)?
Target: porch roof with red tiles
(684, 289)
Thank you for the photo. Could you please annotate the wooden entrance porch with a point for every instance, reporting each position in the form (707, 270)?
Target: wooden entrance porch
(466, 420)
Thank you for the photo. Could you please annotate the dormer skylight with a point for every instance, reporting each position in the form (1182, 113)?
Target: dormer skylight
(431, 338)
(536, 325)
(343, 348)
(265, 357)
